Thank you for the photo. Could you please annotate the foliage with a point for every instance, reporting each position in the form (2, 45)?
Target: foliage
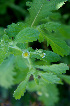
(6, 72)
(19, 61)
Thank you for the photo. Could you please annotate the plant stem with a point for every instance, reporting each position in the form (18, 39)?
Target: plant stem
(30, 66)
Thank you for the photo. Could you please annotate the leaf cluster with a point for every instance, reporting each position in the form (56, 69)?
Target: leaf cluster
(19, 62)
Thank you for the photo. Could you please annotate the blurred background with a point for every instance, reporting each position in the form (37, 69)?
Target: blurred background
(13, 11)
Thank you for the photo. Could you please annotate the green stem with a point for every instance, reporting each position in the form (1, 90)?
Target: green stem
(29, 61)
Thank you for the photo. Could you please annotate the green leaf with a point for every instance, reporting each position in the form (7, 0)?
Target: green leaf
(20, 75)
(55, 16)
(5, 38)
(13, 29)
(22, 63)
(50, 78)
(50, 95)
(32, 86)
(58, 45)
(52, 26)
(27, 35)
(6, 72)
(45, 55)
(40, 9)
(55, 68)
(22, 45)
(66, 78)
(22, 87)
(20, 90)
(3, 50)
(15, 50)
(65, 31)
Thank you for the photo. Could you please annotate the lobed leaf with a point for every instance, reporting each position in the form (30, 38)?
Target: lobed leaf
(45, 56)
(22, 87)
(58, 45)
(50, 78)
(20, 90)
(13, 29)
(40, 9)
(27, 35)
(55, 68)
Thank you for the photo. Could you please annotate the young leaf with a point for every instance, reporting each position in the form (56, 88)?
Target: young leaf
(50, 78)
(27, 35)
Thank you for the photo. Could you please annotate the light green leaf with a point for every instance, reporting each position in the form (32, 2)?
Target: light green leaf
(55, 68)
(22, 63)
(13, 29)
(27, 35)
(50, 78)
(32, 86)
(21, 74)
(22, 87)
(15, 50)
(52, 26)
(45, 55)
(22, 45)
(3, 50)
(6, 72)
(5, 38)
(20, 90)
